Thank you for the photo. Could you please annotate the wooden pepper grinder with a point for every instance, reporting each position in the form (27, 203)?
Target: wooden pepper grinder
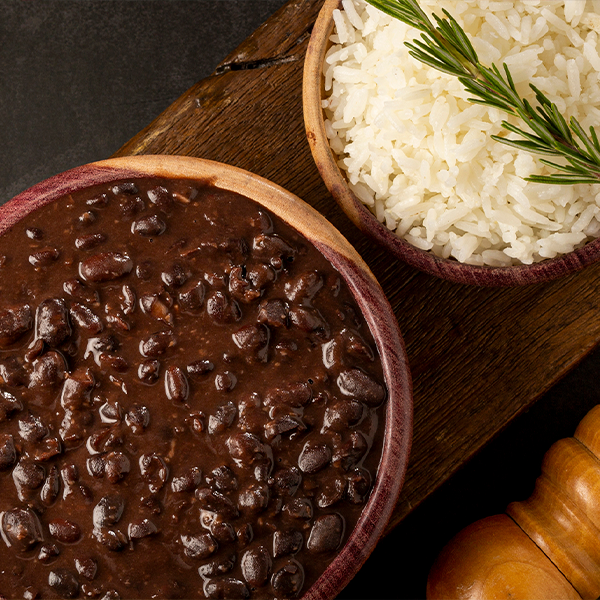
(547, 547)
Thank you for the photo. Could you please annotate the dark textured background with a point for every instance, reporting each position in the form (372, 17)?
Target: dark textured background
(79, 78)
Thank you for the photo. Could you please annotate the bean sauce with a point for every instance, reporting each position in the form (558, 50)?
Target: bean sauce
(189, 399)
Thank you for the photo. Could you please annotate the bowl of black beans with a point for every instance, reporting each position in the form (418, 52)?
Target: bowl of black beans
(203, 390)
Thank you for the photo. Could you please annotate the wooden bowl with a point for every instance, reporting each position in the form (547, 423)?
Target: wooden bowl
(365, 289)
(336, 182)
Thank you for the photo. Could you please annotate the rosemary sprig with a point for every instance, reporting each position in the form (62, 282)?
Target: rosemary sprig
(446, 47)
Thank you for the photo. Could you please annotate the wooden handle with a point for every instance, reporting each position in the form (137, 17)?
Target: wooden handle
(545, 547)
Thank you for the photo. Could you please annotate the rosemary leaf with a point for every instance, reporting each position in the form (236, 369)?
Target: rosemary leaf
(446, 47)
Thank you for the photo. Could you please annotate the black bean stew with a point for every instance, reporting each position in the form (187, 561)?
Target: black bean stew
(189, 399)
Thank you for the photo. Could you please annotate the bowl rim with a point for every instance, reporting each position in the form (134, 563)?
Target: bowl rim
(363, 286)
(359, 214)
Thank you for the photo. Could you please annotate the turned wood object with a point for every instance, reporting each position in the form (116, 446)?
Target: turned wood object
(545, 547)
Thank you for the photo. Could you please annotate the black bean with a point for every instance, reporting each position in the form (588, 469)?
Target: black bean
(287, 541)
(294, 395)
(149, 371)
(73, 429)
(240, 287)
(14, 322)
(52, 322)
(95, 466)
(227, 588)
(8, 452)
(254, 341)
(348, 453)
(64, 583)
(217, 567)
(51, 488)
(44, 258)
(225, 382)
(285, 424)
(309, 320)
(200, 545)
(154, 471)
(144, 270)
(359, 486)
(222, 419)
(304, 287)
(117, 466)
(127, 187)
(273, 313)
(31, 428)
(105, 266)
(138, 418)
(33, 233)
(160, 197)
(199, 368)
(299, 508)
(326, 533)
(113, 539)
(99, 201)
(246, 449)
(216, 502)
(77, 389)
(192, 300)
(9, 405)
(131, 206)
(156, 307)
(287, 481)
(287, 582)
(187, 482)
(222, 309)
(314, 457)
(80, 291)
(342, 415)
(331, 491)
(361, 386)
(157, 344)
(86, 567)
(108, 511)
(254, 499)
(148, 226)
(110, 412)
(176, 384)
(21, 528)
(47, 553)
(222, 531)
(47, 449)
(256, 566)
(113, 362)
(223, 479)
(89, 241)
(12, 372)
(64, 531)
(84, 318)
(271, 248)
(175, 276)
(140, 529)
(28, 476)
(48, 370)
(87, 218)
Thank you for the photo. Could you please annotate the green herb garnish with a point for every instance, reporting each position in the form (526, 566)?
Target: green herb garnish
(447, 48)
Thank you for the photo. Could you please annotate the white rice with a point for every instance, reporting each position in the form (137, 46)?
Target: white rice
(420, 156)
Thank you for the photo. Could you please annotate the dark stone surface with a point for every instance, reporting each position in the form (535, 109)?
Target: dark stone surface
(79, 79)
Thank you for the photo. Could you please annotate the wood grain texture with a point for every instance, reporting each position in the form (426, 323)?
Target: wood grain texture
(479, 356)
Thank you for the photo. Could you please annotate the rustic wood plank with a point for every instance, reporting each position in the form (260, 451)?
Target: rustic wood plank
(478, 356)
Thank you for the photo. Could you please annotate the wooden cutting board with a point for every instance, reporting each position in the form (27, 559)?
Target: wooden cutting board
(478, 356)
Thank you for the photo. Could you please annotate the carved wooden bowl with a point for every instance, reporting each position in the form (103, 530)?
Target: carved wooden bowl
(365, 289)
(337, 185)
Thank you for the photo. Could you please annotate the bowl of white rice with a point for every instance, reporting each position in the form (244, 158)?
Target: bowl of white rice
(411, 161)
